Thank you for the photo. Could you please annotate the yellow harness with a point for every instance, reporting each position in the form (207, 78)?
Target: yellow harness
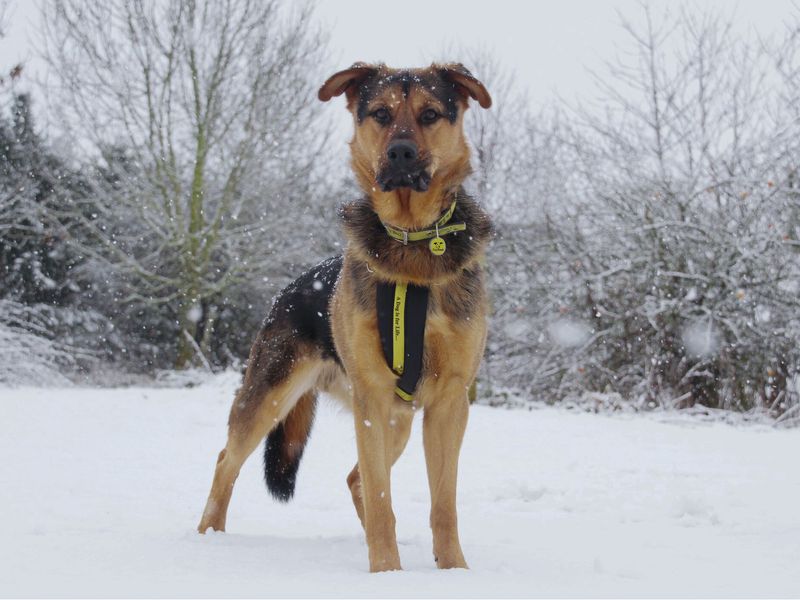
(403, 308)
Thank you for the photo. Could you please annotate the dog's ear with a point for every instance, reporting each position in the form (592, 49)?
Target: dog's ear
(346, 81)
(466, 83)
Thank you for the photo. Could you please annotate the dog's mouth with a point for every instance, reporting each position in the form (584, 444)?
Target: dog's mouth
(419, 179)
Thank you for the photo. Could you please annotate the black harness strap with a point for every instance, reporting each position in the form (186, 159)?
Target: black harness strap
(412, 328)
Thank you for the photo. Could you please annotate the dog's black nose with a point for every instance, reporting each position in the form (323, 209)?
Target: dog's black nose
(402, 154)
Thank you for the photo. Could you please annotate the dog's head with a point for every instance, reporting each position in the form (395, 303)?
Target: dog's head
(409, 137)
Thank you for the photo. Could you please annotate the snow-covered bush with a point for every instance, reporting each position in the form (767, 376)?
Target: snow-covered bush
(653, 251)
(647, 250)
(41, 344)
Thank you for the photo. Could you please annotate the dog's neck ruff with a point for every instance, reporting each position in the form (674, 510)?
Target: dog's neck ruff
(435, 232)
(391, 260)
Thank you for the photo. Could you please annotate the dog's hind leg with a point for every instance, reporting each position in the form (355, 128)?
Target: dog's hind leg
(273, 383)
(400, 425)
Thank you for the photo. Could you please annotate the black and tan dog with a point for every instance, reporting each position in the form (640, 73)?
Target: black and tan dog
(414, 253)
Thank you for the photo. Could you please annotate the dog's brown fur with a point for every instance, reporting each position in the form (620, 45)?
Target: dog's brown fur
(297, 354)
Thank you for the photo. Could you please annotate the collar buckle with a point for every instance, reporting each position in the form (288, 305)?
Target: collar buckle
(405, 238)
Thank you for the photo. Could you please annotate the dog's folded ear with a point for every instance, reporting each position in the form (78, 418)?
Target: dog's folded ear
(466, 83)
(345, 81)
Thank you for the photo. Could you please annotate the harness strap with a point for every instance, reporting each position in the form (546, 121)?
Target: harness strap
(402, 309)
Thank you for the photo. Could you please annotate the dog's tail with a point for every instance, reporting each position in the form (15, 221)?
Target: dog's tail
(284, 447)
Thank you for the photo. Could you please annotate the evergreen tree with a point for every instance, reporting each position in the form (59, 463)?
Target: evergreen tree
(37, 264)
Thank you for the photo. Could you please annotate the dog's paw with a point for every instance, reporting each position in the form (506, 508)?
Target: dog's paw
(385, 564)
(453, 561)
(206, 524)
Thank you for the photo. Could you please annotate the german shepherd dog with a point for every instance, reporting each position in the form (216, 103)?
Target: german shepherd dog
(410, 157)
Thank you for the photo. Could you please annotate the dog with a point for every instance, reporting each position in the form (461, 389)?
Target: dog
(395, 325)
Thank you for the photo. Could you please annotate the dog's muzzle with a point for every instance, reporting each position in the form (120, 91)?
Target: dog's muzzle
(403, 167)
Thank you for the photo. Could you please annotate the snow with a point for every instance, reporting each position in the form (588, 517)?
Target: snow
(569, 332)
(102, 489)
(195, 313)
(701, 338)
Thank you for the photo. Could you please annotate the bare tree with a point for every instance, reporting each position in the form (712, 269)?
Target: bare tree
(3, 17)
(646, 247)
(15, 71)
(203, 117)
(679, 268)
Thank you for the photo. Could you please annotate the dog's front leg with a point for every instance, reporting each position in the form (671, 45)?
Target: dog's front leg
(373, 437)
(442, 431)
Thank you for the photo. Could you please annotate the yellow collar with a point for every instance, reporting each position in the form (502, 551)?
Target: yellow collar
(438, 230)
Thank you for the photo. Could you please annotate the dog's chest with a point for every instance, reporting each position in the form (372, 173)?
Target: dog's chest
(454, 336)
(455, 333)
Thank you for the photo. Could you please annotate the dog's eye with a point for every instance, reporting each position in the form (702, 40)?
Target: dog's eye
(382, 116)
(428, 116)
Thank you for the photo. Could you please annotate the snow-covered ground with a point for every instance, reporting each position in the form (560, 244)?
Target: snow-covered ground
(102, 489)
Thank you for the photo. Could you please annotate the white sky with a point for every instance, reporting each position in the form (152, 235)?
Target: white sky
(547, 45)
